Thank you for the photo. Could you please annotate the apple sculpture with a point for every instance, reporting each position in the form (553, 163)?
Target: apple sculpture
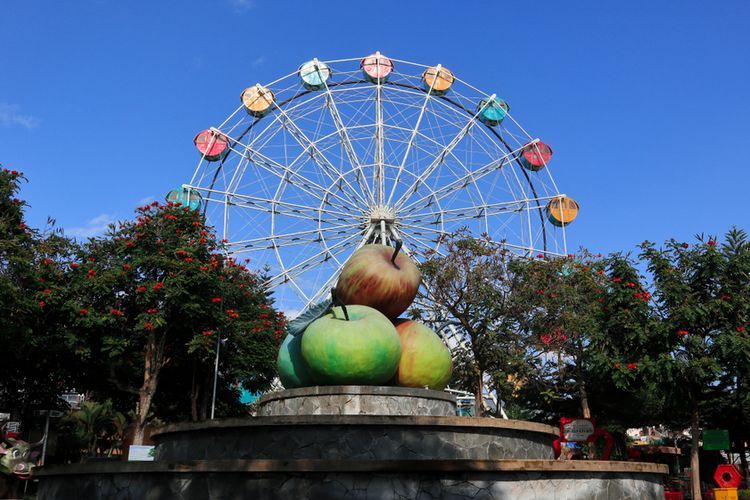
(425, 359)
(351, 345)
(380, 277)
(293, 371)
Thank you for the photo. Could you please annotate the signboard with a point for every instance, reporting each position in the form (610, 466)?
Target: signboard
(715, 439)
(576, 429)
(138, 453)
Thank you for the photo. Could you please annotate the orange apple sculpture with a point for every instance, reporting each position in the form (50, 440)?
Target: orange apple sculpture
(425, 359)
(381, 277)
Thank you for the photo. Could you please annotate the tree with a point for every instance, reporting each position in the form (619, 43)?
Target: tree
(469, 290)
(37, 367)
(703, 326)
(155, 293)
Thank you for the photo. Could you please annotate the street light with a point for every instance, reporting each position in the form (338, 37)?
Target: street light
(219, 341)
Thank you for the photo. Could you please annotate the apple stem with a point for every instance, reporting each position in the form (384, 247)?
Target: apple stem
(336, 301)
(396, 249)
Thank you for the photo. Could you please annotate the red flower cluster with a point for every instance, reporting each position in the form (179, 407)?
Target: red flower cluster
(126, 266)
(682, 333)
(188, 259)
(685, 245)
(617, 280)
(631, 284)
(152, 310)
(116, 312)
(207, 333)
(170, 217)
(11, 172)
(47, 291)
(141, 289)
(540, 256)
(91, 273)
(148, 325)
(74, 265)
(740, 329)
(711, 243)
(232, 314)
(726, 297)
(158, 286)
(83, 312)
(42, 304)
(617, 365)
(216, 300)
(632, 366)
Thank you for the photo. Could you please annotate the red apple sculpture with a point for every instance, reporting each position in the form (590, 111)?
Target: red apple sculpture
(381, 277)
(425, 359)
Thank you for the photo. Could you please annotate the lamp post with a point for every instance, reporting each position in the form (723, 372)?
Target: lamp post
(216, 374)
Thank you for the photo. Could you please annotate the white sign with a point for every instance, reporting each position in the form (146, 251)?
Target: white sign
(137, 453)
(578, 430)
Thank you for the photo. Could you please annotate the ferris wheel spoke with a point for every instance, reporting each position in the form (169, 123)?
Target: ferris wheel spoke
(328, 253)
(475, 211)
(440, 158)
(347, 143)
(294, 238)
(472, 176)
(336, 177)
(379, 180)
(285, 174)
(271, 205)
(412, 138)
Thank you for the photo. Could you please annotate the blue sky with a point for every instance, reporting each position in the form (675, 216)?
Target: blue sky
(644, 103)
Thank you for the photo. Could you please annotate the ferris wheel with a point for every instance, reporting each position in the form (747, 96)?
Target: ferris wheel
(347, 152)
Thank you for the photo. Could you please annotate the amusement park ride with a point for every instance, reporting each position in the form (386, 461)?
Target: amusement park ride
(342, 153)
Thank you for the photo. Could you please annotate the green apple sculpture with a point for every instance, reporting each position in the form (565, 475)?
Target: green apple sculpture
(363, 349)
(425, 359)
(380, 277)
(293, 371)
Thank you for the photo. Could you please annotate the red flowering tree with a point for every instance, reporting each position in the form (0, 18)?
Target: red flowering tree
(559, 302)
(156, 294)
(701, 295)
(37, 367)
(589, 321)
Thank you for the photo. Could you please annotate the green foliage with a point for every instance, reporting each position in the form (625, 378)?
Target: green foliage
(96, 422)
(470, 287)
(153, 296)
(37, 366)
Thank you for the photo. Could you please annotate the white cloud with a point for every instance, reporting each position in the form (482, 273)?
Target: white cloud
(93, 227)
(10, 116)
(258, 62)
(242, 5)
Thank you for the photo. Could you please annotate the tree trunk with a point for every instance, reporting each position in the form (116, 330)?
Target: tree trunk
(585, 410)
(194, 390)
(478, 398)
(695, 476)
(147, 390)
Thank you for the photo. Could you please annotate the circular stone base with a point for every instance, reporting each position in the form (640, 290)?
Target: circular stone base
(357, 400)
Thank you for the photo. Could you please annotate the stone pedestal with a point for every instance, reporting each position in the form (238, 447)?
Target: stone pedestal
(355, 442)
(357, 400)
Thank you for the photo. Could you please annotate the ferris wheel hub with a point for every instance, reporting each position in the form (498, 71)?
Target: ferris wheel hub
(382, 213)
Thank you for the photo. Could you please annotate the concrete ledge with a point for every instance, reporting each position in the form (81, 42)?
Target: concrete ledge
(360, 420)
(400, 466)
(358, 390)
